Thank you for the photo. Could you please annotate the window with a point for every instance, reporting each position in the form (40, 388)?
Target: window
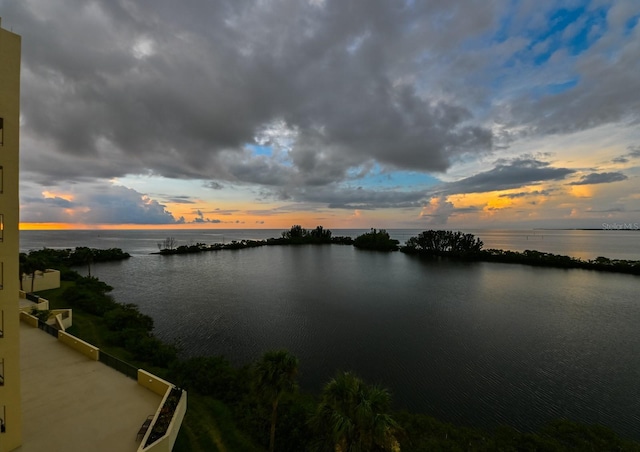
(1, 324)
(1, 132)
(1, 179)
(3, 414)
(1, 227)
(1, 372)
(1, 275)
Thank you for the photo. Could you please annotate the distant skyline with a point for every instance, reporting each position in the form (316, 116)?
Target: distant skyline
(346, 114)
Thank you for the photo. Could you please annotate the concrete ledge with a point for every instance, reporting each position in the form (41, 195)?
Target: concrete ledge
(29, 319)
(27, 305)
(79, 345)
(59, 324)
(153, 383)
(64, 317)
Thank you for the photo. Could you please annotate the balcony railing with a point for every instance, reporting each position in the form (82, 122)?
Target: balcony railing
(44, 326)
(119, 365)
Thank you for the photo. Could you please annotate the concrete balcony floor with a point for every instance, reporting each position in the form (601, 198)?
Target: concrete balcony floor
(72, 403)
(24, 303)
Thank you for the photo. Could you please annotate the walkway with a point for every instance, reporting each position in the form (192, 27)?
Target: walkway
(72, 403)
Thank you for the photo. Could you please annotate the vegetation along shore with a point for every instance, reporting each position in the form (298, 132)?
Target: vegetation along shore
(428, 244)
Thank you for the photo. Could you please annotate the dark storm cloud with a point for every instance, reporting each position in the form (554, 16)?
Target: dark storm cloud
(356, 198)
(508, 175)
(124, 88)
(600, 178)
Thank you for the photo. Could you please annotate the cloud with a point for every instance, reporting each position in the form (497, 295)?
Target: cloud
(438, 211)
(524, 194)
(508, 175)
(53, 201)
(610, 210)
(341, 197)
(600, 178)
(634, 153)
(584, 82)
(133, 90)
(180, 199)
(327, 89)
(200, 218)
(97, 204)
(214, 185)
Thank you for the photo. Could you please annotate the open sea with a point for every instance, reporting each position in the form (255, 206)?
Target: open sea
(478, 344)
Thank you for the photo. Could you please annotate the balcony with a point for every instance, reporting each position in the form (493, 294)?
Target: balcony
(71, 402)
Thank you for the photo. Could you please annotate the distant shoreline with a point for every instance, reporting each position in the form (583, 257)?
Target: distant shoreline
(528, 257)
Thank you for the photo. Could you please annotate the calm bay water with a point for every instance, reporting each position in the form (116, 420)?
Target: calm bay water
(473, 343)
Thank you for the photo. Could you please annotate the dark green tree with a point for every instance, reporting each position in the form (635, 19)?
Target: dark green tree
(376, 240)
(84, 255)
(274, 375)
(296, 233)
(353, 416)
(320, 234)
(444, 242)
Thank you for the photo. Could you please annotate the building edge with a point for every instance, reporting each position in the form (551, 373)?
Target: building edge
(10, 402)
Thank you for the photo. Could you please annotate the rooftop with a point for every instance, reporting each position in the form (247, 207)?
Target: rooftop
(72, 403)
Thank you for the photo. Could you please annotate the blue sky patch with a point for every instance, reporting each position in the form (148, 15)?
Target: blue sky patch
(260, 150)
(631, 23)
(395, 179)
(572, 29)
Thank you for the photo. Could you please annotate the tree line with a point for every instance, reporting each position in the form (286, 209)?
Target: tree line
(433, 243)
(466, 246)
(63, 259)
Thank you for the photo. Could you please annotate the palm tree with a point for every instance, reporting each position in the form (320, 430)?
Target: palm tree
(274, 375)
(30, 265)
(85, 256)
(353, 417)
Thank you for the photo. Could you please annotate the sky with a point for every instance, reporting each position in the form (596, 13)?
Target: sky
(432, 114)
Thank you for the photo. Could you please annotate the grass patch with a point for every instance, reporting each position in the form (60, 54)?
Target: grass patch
(209, 426)
(55, 295)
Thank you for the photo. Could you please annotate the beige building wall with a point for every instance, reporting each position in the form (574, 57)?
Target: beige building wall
(48, 279)
(10, 412)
